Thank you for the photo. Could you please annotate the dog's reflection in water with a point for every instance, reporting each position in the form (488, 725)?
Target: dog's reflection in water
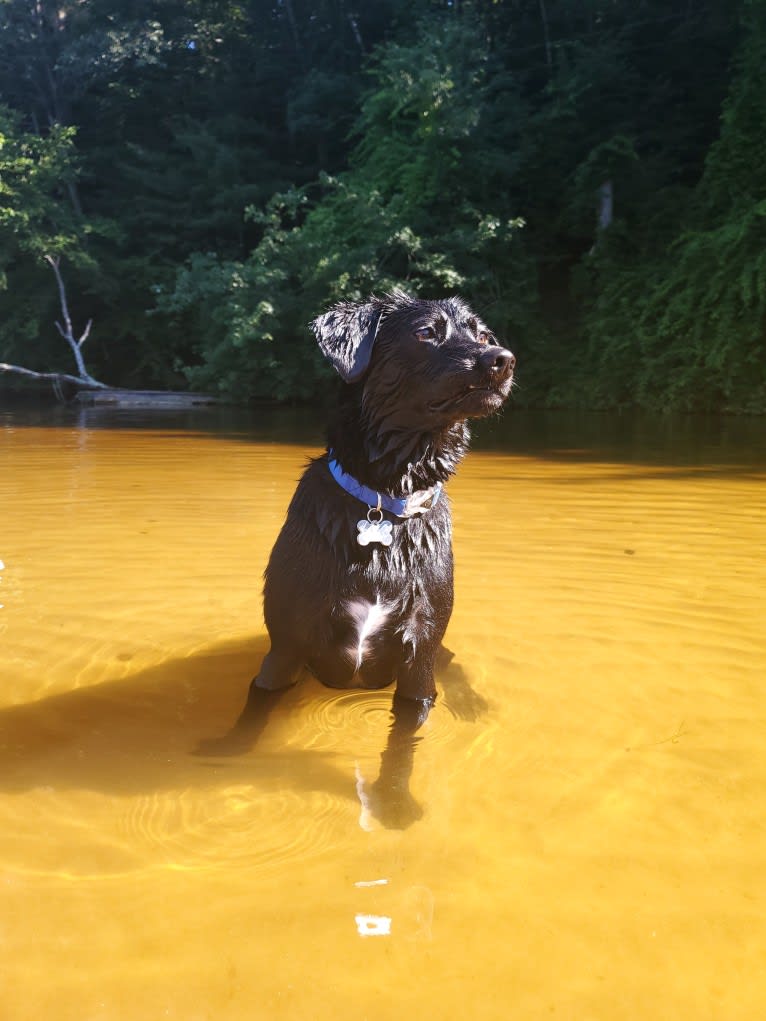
(387, 800)
(359, 586)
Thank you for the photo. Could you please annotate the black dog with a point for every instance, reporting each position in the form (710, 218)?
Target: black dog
(358, 588)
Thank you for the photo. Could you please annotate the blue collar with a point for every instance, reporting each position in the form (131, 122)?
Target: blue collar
(402, 507)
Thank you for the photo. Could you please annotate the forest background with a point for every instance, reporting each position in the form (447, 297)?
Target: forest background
(210, 175)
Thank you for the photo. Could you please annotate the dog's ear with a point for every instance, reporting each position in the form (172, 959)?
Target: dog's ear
(346, 334)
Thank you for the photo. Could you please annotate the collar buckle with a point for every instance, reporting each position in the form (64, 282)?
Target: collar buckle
(422, 501)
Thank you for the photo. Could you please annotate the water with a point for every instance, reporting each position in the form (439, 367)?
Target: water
(593, 840)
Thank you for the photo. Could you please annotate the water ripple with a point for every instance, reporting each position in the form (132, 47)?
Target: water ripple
(238, 825)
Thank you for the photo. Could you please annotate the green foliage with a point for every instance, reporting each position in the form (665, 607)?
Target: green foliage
(406, 214)
(36, 219)
(34, 173)
(216, 172)
(687, 328)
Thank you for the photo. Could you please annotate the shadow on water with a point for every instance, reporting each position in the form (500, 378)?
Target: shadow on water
(142, 734)
(634, 437)
(137, 734)
(260, 424)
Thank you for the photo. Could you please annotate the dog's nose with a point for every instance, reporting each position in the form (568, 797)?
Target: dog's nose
(497, 360)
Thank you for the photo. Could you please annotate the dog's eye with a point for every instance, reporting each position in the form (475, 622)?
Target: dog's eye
(425, 333)
(483, 337)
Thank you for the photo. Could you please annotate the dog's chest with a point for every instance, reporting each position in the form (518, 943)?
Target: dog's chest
(420, 549)
(405, 586)
(391, 605)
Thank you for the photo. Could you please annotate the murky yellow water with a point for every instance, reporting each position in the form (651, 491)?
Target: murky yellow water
(593, 844)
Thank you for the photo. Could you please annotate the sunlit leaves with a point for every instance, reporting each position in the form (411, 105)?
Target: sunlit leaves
(35, 216)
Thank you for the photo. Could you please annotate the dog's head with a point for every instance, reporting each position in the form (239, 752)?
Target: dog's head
(422, 364)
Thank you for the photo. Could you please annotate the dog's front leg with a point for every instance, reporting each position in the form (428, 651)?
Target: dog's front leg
(391, 800)
(278, 673)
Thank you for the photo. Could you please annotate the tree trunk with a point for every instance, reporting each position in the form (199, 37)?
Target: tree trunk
(605, 206)
(83, 378)
(546, 36)
(294, 30)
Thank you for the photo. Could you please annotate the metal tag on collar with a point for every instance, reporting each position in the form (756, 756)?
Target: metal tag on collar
(374, 529)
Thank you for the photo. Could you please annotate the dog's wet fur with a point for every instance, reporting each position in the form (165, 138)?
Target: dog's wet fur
(414, 372)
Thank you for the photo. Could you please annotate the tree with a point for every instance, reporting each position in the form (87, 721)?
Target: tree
(408, 213)
(686, 328)
(380, 144)
(38, 225)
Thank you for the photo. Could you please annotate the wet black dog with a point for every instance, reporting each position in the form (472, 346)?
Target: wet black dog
(359, 584)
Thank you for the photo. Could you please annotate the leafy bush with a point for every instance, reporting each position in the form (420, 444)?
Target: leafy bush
(685, 328)
(411, 212)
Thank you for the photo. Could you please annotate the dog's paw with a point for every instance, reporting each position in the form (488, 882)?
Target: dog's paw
(391, 807)
(466, 703)
(395, 809)
(461, 698)
(389, 804)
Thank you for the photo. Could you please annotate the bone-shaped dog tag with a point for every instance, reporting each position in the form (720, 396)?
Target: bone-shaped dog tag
(374, 531)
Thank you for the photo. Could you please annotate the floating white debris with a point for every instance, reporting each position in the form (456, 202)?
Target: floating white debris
(371, 882)
(2, 566)
(373, 925)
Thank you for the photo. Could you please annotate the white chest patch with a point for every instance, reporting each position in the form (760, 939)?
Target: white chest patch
(367, 618)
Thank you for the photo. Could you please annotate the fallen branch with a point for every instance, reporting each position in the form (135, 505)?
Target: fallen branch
(68, 333)
(55, 377)
(83, 378)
